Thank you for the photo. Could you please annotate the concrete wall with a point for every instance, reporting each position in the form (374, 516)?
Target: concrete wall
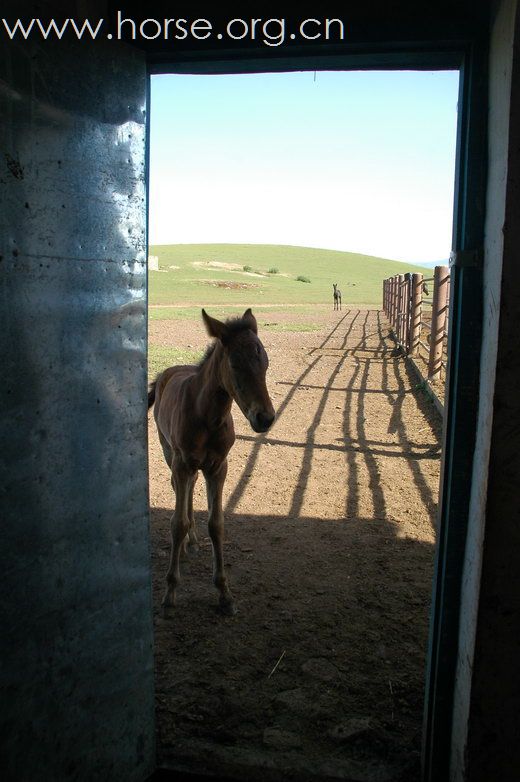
(76, 639)
(485, 718)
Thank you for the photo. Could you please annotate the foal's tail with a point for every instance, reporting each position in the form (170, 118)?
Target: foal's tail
(151, 393)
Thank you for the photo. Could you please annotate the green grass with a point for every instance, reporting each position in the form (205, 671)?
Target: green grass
(161, 357)
(174, 313)
(359, 277)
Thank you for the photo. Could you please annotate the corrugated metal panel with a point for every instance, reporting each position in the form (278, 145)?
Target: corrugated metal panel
(76, 606)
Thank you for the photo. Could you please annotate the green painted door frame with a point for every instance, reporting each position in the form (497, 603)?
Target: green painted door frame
(470, 57)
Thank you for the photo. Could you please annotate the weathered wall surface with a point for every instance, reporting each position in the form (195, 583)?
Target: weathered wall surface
(76, 638)
(494, 727)
(484, 746)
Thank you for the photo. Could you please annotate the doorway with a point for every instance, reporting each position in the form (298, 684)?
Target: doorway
(215, 716)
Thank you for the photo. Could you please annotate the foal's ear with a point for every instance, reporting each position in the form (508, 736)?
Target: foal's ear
(250, 320)
(214, 327)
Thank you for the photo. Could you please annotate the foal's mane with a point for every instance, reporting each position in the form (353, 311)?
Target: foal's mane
(235, 325)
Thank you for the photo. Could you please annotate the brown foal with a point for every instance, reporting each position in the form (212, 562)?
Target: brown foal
(193, 415)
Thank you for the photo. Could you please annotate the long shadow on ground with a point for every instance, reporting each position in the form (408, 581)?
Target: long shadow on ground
(318, 674)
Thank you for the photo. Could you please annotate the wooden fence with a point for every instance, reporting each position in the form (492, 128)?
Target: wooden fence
(417, 308)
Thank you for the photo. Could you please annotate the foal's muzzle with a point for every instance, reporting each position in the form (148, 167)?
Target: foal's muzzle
(261, 422)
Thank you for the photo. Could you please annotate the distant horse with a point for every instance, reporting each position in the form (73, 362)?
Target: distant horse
(192, 413)
(337, 296)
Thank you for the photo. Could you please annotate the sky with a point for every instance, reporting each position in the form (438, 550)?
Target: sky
(361, 161)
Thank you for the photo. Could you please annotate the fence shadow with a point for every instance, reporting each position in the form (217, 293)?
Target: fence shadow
(352, 355)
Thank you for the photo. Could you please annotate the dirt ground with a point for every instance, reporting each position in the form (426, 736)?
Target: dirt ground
(329, 549)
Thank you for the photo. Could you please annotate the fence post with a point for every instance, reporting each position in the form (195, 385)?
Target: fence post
(416, 314)
(396, 305)
(407, 310)
(403, 312)
(400, 308)
(439, 309)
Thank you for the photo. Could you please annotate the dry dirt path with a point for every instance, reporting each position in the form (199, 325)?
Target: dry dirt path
(330, 538)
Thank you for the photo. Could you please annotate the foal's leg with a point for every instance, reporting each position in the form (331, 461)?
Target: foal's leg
(192, 533)
(190, 543)
(168, 456)
(167, 451)
(182, 481)
(214, 485)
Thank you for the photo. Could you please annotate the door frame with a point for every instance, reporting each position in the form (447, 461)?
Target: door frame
(465, 327)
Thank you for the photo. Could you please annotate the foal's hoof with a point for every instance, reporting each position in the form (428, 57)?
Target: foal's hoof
(227, 607)
(166, 610)
(167, 606)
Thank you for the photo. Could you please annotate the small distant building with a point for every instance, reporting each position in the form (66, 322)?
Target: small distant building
(153, 263)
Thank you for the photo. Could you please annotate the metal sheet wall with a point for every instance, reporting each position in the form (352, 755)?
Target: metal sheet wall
(75, 600)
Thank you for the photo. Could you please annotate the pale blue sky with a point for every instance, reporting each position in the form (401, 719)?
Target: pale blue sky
(357, 161)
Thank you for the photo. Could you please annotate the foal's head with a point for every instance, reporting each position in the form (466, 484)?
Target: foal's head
(243, 367)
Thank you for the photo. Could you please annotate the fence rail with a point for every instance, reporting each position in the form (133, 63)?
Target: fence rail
(417, 308)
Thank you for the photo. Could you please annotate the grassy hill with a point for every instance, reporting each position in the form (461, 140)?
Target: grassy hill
(261, 274)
